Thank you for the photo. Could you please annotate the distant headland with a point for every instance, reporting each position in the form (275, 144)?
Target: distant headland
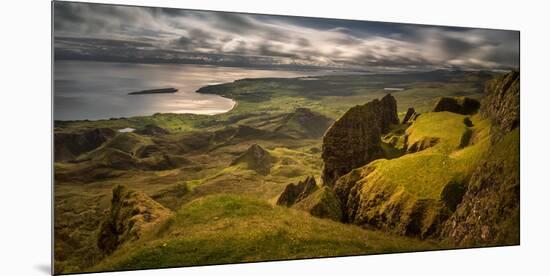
(155, 91)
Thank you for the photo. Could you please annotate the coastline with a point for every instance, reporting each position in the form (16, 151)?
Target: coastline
(233, 107)
(109, 99)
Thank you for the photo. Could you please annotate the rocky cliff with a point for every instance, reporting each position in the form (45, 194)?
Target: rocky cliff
(130, 216)
(388, 110)
(463, 190)
(354, 139)
(501, 102)
(489, 211)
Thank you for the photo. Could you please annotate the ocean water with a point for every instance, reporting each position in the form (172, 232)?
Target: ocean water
(99, 90)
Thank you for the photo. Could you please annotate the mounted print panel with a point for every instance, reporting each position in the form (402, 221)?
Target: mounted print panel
(190, 137)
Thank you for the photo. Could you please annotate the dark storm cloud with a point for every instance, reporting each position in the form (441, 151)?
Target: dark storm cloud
(456, 46)
(123, 32)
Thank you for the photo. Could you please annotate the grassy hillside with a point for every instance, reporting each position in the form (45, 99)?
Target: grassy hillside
(224, 208)
(449, 158)
(413, 193)
(231, 229)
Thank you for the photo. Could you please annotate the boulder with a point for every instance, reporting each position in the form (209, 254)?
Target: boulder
(460, 105)
(354, 139)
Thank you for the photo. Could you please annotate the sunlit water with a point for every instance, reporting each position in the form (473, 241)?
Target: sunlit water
(99, 90)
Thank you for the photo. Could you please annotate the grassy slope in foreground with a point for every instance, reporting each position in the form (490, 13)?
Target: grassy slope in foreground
(230, 229)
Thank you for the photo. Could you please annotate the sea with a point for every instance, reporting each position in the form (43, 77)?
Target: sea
(93, 90)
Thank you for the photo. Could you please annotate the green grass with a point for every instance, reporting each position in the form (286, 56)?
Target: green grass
(82, 198)
(425, 173)
(448, 127)
(407, 194)
(232, 229)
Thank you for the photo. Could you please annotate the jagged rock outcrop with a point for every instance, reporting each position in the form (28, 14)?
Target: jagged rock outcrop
(408, 115)
(388, 112)
(354, 139)
(460, 105)
(501, 102)
(294, 193)
(152, 130)
(130, 216)
(69, 145)
(304, 123)
(307, 196)
(256, 158)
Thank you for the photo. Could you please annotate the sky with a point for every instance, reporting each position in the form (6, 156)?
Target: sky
(160, 35)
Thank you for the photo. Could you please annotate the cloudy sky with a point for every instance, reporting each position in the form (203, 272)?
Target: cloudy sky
(139, 34)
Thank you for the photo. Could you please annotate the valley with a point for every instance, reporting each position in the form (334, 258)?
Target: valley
(301, 167)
